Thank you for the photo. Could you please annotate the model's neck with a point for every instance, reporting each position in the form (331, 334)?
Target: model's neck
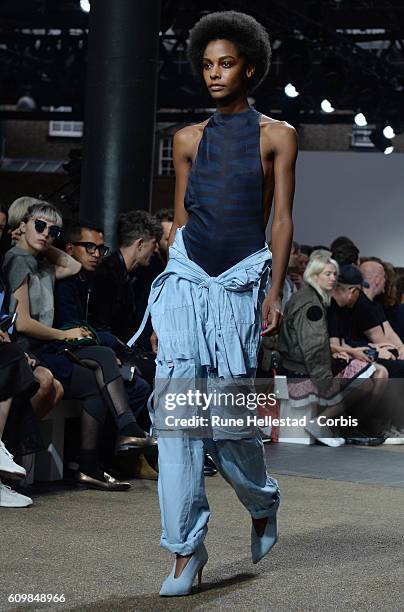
(233, 107)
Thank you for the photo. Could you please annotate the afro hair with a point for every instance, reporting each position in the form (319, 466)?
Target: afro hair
(249, 36)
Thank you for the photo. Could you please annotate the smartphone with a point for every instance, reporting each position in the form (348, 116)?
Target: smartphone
(8, 322)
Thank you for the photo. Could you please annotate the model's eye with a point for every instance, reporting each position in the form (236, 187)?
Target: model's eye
(206, 65)
(227, 64)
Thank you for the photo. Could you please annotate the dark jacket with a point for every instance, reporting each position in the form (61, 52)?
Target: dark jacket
(303, 340)
(73, 304)
(72, 299)
(113, 301)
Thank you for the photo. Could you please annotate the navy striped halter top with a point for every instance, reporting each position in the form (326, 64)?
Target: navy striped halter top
(224, 193)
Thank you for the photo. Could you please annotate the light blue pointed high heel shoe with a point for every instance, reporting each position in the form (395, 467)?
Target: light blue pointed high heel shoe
(260, 546)
(174, 587)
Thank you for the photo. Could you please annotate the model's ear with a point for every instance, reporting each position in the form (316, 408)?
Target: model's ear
(250, 71)
(22, 227)
(69, 248)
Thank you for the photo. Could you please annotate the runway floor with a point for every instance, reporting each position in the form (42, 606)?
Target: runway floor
(341, 544)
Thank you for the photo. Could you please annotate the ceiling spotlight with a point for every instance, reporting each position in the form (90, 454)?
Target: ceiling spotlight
(326, 106)
(388, 150)
(26, 103)
(388, 132)
(360, 120)
(85, 5)
(290, 91)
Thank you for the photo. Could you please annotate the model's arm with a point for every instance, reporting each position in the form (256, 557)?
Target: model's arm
(64, 264)
(282, 142)
(182, 164)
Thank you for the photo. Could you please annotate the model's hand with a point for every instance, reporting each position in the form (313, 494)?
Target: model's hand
(271, 314)
(154, 342)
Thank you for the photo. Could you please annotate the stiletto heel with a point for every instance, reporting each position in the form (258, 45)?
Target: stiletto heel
(260, 546)
(200, 577)
(182, 585)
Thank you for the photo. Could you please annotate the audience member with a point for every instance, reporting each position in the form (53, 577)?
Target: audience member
(113, 304)
(346, 254)
(370, 321)
(16, 212)
(93, 376)
(165, 216)
(143, 276)
(3, 220)
(391, 300)
(16, 379)
(337, 242)
(85, 243)
(305, 252)
(344, 297)
(317, 374)
(4, 237)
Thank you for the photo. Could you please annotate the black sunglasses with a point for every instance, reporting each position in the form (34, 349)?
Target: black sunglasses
(53, 230)
(91, 248)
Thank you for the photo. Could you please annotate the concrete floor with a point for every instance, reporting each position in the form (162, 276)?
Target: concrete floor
(341, 544)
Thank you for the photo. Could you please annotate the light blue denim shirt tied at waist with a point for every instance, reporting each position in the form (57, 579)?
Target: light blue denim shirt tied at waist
(226, 321)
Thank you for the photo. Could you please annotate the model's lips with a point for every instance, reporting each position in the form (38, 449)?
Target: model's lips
(216, 87)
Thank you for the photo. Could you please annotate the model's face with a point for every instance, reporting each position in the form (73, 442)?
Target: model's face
(225, 72)
(327, 278)
(88, 253)
(39, 233)
(3, 223)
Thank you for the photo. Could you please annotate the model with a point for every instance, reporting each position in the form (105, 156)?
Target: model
(211, 304)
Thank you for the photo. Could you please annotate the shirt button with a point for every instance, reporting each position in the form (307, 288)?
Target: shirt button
(219, 335)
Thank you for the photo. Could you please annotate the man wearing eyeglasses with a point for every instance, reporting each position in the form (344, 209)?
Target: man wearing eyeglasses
(73, 302)
(84, 242)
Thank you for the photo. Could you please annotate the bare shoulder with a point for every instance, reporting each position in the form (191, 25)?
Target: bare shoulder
(187, 138)
(278, 134)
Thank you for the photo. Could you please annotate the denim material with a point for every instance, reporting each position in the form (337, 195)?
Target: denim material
(208, 330)
(183, 503)
(213, 319)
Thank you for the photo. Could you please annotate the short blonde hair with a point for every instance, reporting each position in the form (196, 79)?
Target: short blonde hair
(314, 267)
(18, 210)
(46, 210)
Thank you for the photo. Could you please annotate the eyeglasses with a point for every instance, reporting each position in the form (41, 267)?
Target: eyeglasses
(91, 248)
(40, 227)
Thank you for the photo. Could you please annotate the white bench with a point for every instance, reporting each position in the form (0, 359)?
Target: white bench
(287, 433)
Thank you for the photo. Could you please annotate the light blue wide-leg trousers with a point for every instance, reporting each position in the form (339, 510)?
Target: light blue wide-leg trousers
(184, 506)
